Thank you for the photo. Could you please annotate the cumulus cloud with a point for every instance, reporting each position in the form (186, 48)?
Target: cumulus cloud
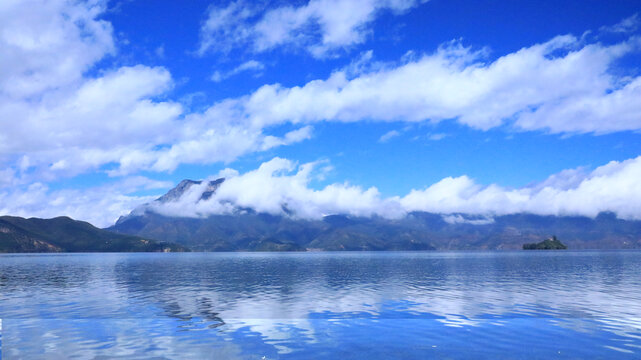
(113, 120)
(99, 113)
(282, 187)
(205, 144)
(47, 44)
(319, 26)
(62, 121)
(563, 85)
(58, 119)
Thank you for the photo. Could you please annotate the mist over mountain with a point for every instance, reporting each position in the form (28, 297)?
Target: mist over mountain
(239, 228)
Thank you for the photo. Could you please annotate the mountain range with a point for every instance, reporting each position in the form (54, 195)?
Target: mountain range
(244, 229)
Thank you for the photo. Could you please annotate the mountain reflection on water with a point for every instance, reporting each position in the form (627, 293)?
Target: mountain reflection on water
(322, 305)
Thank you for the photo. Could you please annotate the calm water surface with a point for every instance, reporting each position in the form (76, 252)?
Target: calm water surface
(420, 305)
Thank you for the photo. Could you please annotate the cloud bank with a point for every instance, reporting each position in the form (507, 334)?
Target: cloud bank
(561, 86)
(281, 187)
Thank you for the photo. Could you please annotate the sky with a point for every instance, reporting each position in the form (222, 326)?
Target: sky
(362, 107)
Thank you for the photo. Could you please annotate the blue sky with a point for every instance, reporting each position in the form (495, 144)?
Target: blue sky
(485, 107)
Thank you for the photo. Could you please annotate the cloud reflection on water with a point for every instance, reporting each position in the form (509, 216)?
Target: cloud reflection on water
(283, 305)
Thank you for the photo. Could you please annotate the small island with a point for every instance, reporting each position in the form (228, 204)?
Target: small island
(548, 244)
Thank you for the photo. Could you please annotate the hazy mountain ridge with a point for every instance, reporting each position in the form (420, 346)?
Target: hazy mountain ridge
(245, 229)
(63, 234)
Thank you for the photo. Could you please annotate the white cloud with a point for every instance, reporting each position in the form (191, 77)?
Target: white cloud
(388, 136)
(251, 65)
(561, 86)
(160, 51)
(96, 122)
(594, 111)
(58, 120)
(73, 122)
(52, 116)
(291, 137)
(93, 112)
(203, 143)
(283, 187)
(45, 44)
(626, 25)
(225, 26)
(100, 205)
(8, 177)
(280, 184)
(436, 137)
(460, 219)
(612, 187)
(564, 180)
(319, 26)
(363, 64)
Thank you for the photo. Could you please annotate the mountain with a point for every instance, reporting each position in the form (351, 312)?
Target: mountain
(177, 192)
(247, 230)
(63, 234)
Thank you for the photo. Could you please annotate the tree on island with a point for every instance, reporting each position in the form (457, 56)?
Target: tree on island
(548, 244)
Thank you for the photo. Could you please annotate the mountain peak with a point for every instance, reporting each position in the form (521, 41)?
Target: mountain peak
(174, 195)
(182, 187)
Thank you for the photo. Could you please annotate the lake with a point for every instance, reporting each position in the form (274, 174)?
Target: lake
(403, 305)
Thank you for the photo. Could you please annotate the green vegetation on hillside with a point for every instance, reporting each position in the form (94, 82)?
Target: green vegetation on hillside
(63, 234)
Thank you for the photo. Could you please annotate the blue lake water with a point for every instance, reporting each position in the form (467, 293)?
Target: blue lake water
(402, 305)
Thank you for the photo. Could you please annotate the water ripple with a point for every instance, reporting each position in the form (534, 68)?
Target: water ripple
(322, 305)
